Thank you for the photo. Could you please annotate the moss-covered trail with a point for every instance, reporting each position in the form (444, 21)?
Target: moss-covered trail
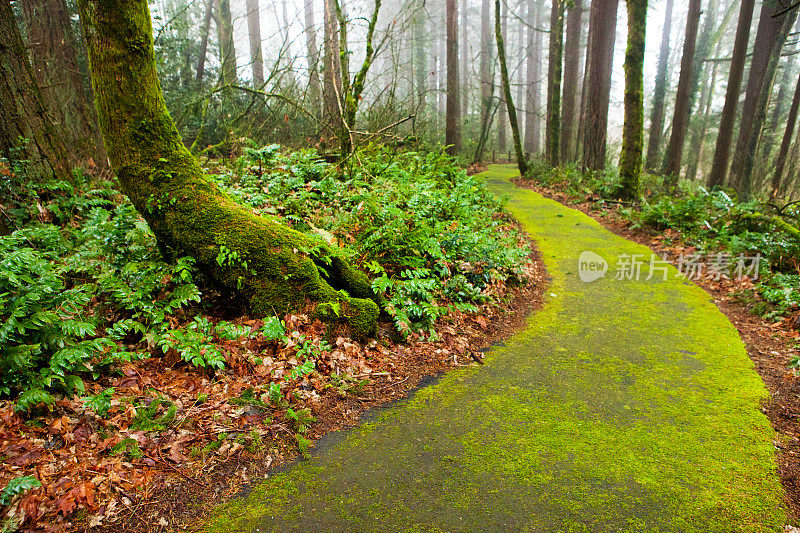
(623, 406)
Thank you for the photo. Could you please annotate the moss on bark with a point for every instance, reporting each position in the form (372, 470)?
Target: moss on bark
(259, 258)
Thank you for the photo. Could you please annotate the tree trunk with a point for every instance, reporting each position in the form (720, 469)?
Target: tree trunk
(27, 135)
(502, 121)
(770, 37)
(201, 62)
(466, 59)
(778, 183)
(719, 168)
(584, 93)
(680, 119)
(332, 79)
(554, 70)
(697, 140)
(532, 125)
(227, 51)
(659, 95)
(486, 64)
(512, 112)
(258, 258)
(453, 120)
(603, 27)
(53, 52)
(572, 64)
(630, 165)
(314, 89)
(421, 60)
(254, 30)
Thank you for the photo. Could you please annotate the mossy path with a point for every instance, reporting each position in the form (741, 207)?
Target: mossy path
(623, 406)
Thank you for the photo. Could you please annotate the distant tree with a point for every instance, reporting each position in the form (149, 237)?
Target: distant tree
(254, 32)
(680, 119)
(206, 30)
(486, 67)
(54, 55)
(533, 67)
(555, 68)
(314, 88)
(466, 59)
(502, 122)
(770, 38)
(719, 168)
(572, 65)
(779, 184)
(602, 28)
(659, 94)
(227, 50)
(630, 165)
(512, 112)
(332, 79)
(26, 132)
(453, 119)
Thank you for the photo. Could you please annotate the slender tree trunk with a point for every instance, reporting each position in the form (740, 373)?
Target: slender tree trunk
(254, 29)
(572, 64)
(332, 79)
(201, 62)
(521, 51)
(227, 51)
(603, 27)
(441, 68)
(532, 125)
(584, 93)
(702, 51)
(719, 168)
(659, 94)
(502, 121)
(314, 89)
(680, 119)
(466, 59)
(697, 140)
(453, 120)
(53, 52)
(183, 207)
(512, 112)
(630, 165)
(785, 87)
(486, 64)
(555, 64)
(778, 183)
(420, 60)
(771, 35)
(26, 133)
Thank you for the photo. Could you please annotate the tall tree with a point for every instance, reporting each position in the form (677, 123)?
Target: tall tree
(602, 28)
(778, 182)
(54, 56)
(719, 168)
(533, 68)
(572, 65)
(466, 58)
(555, 67)
(201, 62)
(512, 112)
(192, 214)
(420, 57)
(314, 89)
(680, 119)
(486, 67)
(254, 31)
(227, 50)
(332, 79)
(770, 37)
(630, 164)
(26, 132)
(659, 94)
(502, 125)
(453, 120)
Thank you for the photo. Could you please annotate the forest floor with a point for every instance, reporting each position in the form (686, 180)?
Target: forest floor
(771, 345)
(625, 406)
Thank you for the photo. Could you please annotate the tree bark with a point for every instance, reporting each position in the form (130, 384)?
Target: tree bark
(332, 72)
(555, 67)
(254, 31)
(697, 139)
(486, 64)
(659, 95)
(778, 183)
(184, 208)
(314, 89)
(53, 52)
(502, 121)
(630, 165)
(201, 62)
(603, 27)
(27, 135)
(453, 120)
(680, 119)
(533, 60)
(770, 37)
(512, 112)
(227, 51)
(572, 64)
(719, 168)
(466, 59)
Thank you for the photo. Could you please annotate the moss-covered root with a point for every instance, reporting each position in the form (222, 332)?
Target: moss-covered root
(266, 263)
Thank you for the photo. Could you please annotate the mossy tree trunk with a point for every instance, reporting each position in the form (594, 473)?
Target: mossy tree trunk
(269, 266)
(26, 132)
(572, 65)
(512, 112)
(554, 70)
(453, 117)
(659, 94)
(630, 165)
(227, 49)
